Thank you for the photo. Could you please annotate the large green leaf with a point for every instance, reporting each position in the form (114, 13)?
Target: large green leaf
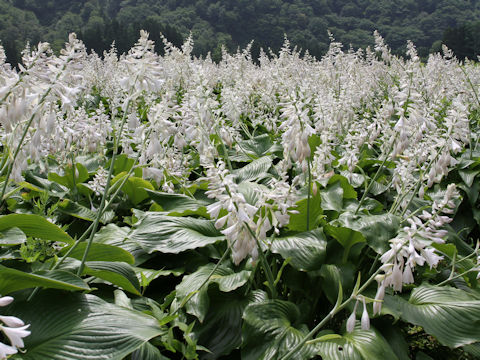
(221, 331)
(118, 237)
(298, 222)
(12, 236)
(345, 236)
(134, 187)
(117, 273)
(100, 252)
(81, 212)
(271, 329)
(255, 148)
(377, 229)
(255, 170)
(333, 275)
(357, 345)
(169, 234)
(179, 204)
(81, 175)
(81, 327)
(306, 250)
(227, 281)
(449, 314)
(148, 352)
(12, 280)
(35, 226)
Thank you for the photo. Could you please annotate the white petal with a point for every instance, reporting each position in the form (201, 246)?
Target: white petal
(15, 335)
(6, 350)
(351, 322)
(6, 300)
(12, 321)
(365, 322)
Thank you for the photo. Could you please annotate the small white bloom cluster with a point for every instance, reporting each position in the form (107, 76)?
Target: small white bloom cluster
(99, 181)
(14, 329)
(240, 227)
(412, 246)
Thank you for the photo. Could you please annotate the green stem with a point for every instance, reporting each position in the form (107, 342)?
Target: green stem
(309, 194)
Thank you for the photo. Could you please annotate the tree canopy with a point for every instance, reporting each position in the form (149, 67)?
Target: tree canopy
(235, 23)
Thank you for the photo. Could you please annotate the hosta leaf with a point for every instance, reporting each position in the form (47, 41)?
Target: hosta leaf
(449, 314)
(345, 236)
(298, 222)
(148, 352)
(118, 237)
(134, 187)
(101, 252)
(306, 250)
(81, 212)
(357, 345)
(169, 234)
(221, 331)
(12, 280)
(332, 275)
(12, 236)
(377, 229)
(82, 327)
(332, 197)
(255, 170)
(226, 279)
(117, 273)
(81, 175)
(271, 329)
(178, 204)
(35, 226)
(255, 148)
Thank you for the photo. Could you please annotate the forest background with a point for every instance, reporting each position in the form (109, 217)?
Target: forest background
(235, 23)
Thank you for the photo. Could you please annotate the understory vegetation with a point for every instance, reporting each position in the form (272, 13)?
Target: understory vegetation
(168, 207)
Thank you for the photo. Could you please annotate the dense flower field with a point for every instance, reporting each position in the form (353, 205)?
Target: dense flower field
(168, 207)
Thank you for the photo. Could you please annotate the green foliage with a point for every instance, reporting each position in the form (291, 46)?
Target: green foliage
(232, 24)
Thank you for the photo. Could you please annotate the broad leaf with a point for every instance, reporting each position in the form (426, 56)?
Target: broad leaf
(12, 280)
(377, 229)
(168, 234)
(117, 273)
(298, 222)
(12, 236)
(179, 204)
(118, 237)
(449, 314)
(271, 329)
(35, 226)
(357, 345)
(221, 331)
(345, 236)
(306, 250)
(81, 327)
(255, 170)
(81, 212)
(100, 252)
(226, 279)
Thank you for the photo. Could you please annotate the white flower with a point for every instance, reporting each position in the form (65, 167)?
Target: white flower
(6, 350)
(351, 319)
(365, 322)
(16, 334)
(6, 300)
(12, 321)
